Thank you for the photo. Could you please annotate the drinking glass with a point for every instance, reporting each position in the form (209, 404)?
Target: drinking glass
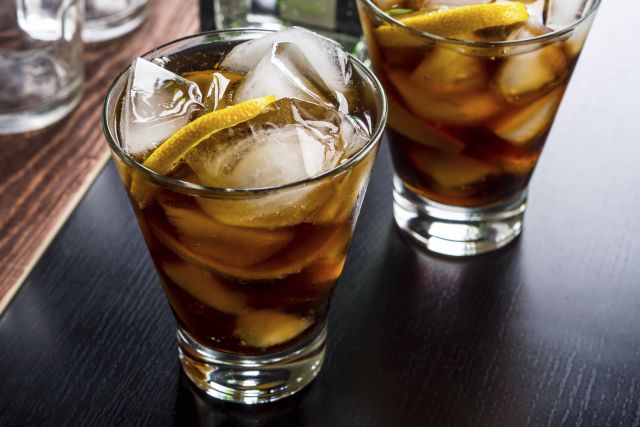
(41, 68)
(467, 123)
(250, 289)
(109, 19)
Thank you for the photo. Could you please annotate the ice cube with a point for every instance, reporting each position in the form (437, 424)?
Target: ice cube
(560, 14)
(526, 124)
(574, 44)
(228, 245)
(449, 108)
(217, 91)
(519, 165)
(293, 140)
(539, 70)
(403, 122)
(270, 157)
(206, 288)
(352, 135)
(530, 29)
(157, 103)
(301, 253)
(449, 71)
(326, 57)
(346, 193)
(202, 78)
(453, 171)
(214, 86)
(264, 328)
(284, 71)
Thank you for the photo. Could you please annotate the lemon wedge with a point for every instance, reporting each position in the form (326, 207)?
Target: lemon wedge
(181, 142)
(163, 158)
(453, 22)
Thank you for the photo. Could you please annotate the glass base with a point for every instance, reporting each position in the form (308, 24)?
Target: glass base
(457, 231)
(45, 115)
(112, 26)
(251, 379)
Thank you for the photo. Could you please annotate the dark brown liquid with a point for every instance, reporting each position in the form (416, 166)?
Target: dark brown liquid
(240, 276)
(290, 288)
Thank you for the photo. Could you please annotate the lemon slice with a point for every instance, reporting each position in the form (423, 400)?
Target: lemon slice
(163, 159)
(452, 22)
(181, 142)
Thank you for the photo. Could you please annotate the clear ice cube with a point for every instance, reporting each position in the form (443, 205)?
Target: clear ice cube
(216, 92)
(284, 71)
(453, 171)
(450, 71)
(157, 103)
(271, 157)
(559, 14)
(538, 70)
(326, 58)
(458, 109)
(523, 126)
(292, 141)
(264, 328)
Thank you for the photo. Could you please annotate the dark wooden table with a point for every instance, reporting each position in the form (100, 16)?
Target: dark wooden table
(543, 333)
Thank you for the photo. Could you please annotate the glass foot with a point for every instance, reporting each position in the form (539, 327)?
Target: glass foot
(251, 379)
(453, 230)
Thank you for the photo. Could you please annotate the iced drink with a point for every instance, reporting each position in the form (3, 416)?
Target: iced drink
(246, 164)
(473, 89)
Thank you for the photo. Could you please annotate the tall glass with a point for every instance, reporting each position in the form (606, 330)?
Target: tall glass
(248, 273)
(467, 123)
(41, 68)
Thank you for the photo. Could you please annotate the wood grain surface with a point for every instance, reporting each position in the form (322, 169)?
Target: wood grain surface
(45, 173)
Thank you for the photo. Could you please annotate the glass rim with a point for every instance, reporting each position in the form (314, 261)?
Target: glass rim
(112, 139)
(483, 44)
